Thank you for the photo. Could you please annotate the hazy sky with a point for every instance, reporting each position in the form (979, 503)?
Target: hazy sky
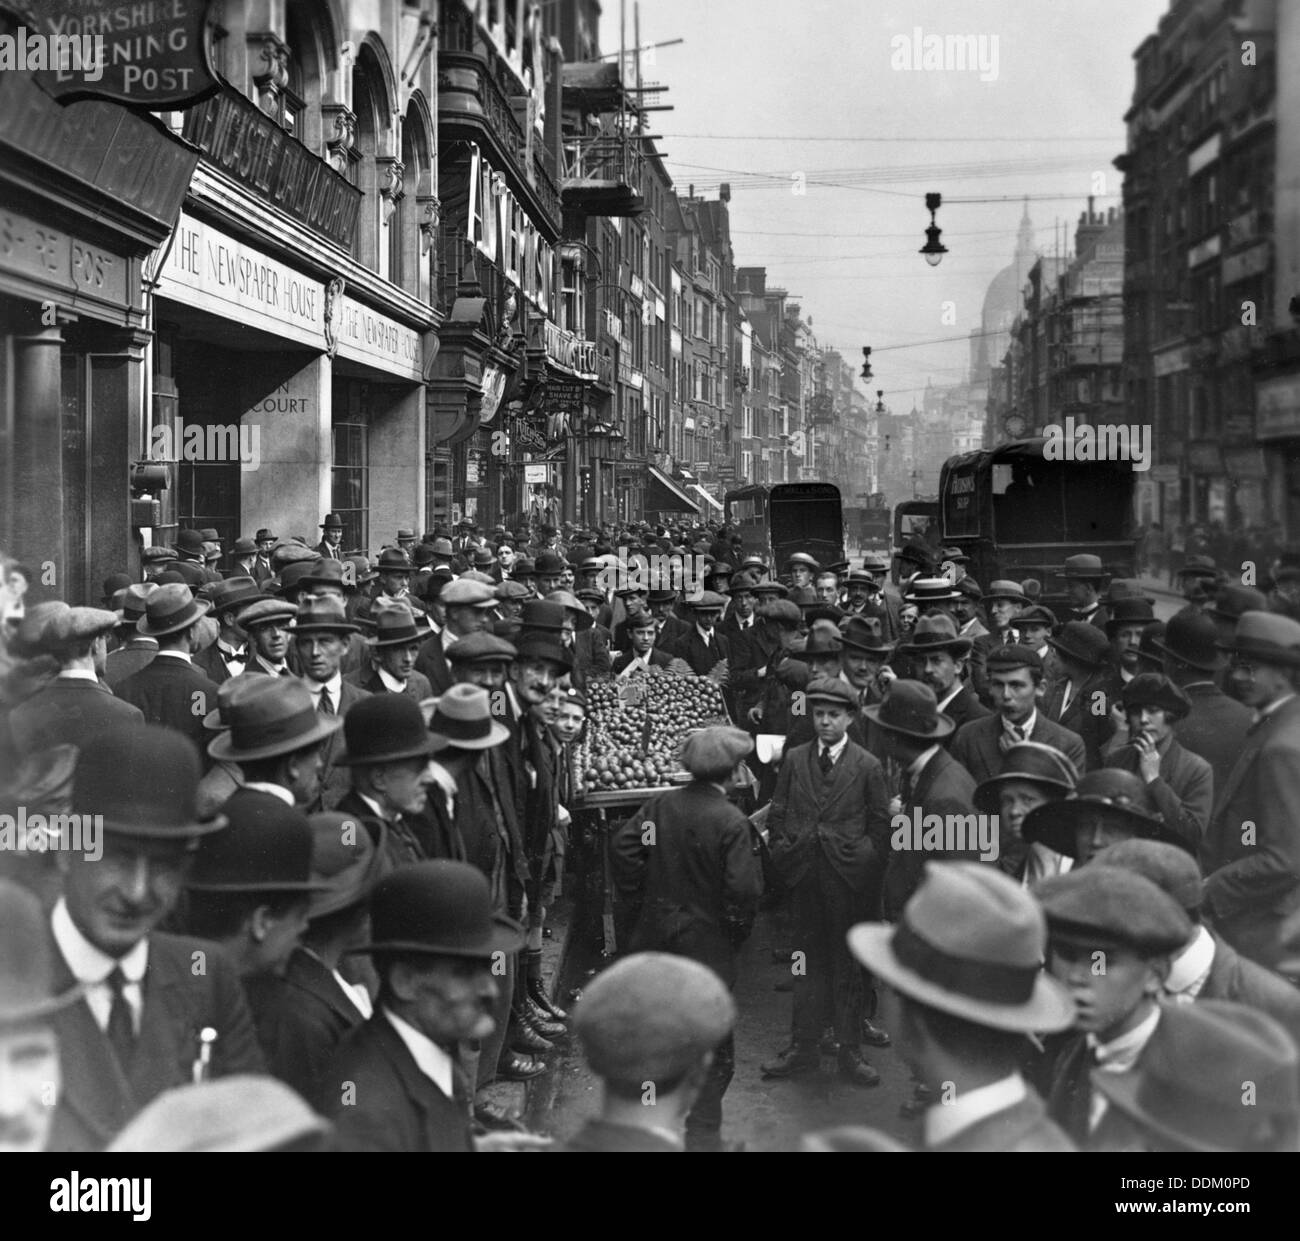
(762, 90)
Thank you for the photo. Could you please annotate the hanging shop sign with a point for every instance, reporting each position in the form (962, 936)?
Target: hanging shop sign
(499, 228)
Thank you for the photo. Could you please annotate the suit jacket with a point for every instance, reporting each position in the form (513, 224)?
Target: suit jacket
(1087, 714)
(690, 647)
(417, 685)
(210, 661)
(431, 663)
(1234, 977)
(1215, 728)
(262, 570)
(301, 1020)
(693, 888)
(128, 659)
(175, 693)
(845, 816)
(98, 1098)
(965, 707)
(437, 832)
(976, 745)
(1253, 879)
(393, 1106)
(326, 552)
(335, 780)
(1068, 1068)
(68, 712)
(943, 787)
(600, 1136)
(591, 658)
(1184, 790)
(657, 660)
(404, 841)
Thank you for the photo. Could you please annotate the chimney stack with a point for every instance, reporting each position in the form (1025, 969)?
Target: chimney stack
(724, 192)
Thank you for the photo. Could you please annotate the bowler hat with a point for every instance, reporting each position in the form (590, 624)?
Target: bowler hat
(541, 645)
(1173, 870)
(463, 717)
(438, 908)
(661, 595)
(112, 584)
(478, 648)
(1103, 906)
(265, 848)
(347, 860)
(1186, 1086)
(543, 614)
(857, 635)
(1082, 642)
(325, 615)
(332, 522)
(1232, 600)
(144, 780)
(1267, 637)
(384, 728)
(582, 619)
(915, 554)
(548, 564)
(169, 609)
(1199, 566)
(928, 590)
(270, 716)
(189, 543)
(1125, 588)
(1191, 638)
(936, 633)
(910, 708)
(397, 625)
(1152, 689)
(970, 943)
(652, 1017)
(1120, 795)
(1128, 612)
(1031, 761)
(1150, 658)
(1084, 568)
(27, 977)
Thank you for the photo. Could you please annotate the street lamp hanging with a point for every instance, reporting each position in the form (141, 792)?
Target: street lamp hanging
(934, 249)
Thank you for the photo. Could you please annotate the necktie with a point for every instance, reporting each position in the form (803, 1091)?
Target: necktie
(825, 761)
(121, 1026)
(326, 704)
(1012, 734)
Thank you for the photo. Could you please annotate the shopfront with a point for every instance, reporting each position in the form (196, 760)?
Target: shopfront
(1277, 428)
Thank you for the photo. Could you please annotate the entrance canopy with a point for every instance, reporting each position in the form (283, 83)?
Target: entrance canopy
(716, 505)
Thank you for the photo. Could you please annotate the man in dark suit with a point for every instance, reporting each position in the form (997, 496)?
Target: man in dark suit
(267, 624)
(394, 647)
(1215, 728)
(170, 690)
(642, 654)
(660, 604)
(584, 638)
(468, 608)
(226, 657)
(74, 706)
(828, 826)
(132, 650)
(433, 940)
(1252, 878)
(701, 647)
(262, 570)
(1082, 698)
(1084, 579)
(962, 1006)
(331, 545)
(148, 1019)
(940, 658)
(692, 887)
(1016, 685)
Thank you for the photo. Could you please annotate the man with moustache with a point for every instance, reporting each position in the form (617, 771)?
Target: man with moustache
(939, 655)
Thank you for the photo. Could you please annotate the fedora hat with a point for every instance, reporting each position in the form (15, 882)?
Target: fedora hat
(1123, 588)
(265, 848)
(857, 635)
(1128, 612)
(581, 617)
(169, 609)
(397, 625)
(936, 633)
(1082, 642)
(393, 560)
(263, 534)
(1031, 761)
(270, 716)
(217, 719)
(915, 554)
(27, 961)
(1266, 637)
(1005, 589)
(1187, 1085)
(347, 860)
(970, 943)
(1123, 797)
(927, 590)
(361, 571)
(384, 728)
(332, 522)
(422, 556)
(1084, 568)
(325, 572)
(1191, 638)
(234, 592)
(244, 546)
(1232, 600)
(129, 602)
(144, 781)
(912, 709)
(438, 908)
(324, 615)
(874, 562)
(1152, 689)
(823, 639)
(463, 717)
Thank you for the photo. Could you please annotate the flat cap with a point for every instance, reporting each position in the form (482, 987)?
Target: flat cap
(831, 690)
(651, 1017)
(1173, 870)
(781, 612)
(709, 601)
(465, 593)
(516, 590)
(1014, 655)
(265, 610)
(477, 648)
(711, 751)
(1104, 906)
(52, 627)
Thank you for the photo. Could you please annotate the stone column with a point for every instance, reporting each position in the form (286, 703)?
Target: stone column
(38, 529)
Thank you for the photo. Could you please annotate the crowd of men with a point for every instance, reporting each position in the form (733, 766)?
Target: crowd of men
(335, 798)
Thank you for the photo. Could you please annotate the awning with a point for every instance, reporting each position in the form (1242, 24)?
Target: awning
(704, 495)
(664, 495)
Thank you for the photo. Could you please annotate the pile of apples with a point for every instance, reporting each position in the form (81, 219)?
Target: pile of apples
(634, 739)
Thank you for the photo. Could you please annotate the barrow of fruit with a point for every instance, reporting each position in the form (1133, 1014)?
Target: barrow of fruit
(635, 730)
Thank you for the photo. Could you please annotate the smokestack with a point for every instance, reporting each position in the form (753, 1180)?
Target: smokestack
(690, 191)
(724, 192)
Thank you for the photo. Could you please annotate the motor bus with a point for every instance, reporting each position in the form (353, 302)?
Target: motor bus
(868, 525)
(1018, 515)
(778, 520)
(915, 521)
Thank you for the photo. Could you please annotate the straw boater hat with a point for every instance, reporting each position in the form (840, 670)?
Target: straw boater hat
(927, 590)
(970, 943)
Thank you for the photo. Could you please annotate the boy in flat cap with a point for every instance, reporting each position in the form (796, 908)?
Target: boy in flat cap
(828, 826)
(650, 1027)
(684, 863)
(1111, 937)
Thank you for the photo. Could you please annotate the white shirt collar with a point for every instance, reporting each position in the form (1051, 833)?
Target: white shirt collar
(445, 781)
(429, 1058)
(185, 655)
(391, 683)
(370, 801)
(1191, 967)
(91, 967)
(1262, 712)
(1027, 727)
(836, 750)
(334, 685)
(944, 1121)
(1122, 1052)
(77, 674)
(355, 992)
(956, 689)
(918, 764)
(276, 790)
(707, 635)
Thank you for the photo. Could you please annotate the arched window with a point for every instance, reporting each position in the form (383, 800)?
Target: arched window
(410, 229)
(363, 170)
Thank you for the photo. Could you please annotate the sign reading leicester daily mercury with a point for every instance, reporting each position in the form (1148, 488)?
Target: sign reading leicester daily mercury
(149, 54)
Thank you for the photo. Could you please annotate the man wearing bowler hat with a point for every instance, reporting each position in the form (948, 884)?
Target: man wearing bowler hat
(692, 885)
(399, 634)
(1081, 700)
(965, 992)
(29, 1041)
(828, 826)
(1084, 578)
(331, 544)
(74, 706)
(651, 1027)
(434, 939)
(170, 690)
(1251, 853)
(148, 1019)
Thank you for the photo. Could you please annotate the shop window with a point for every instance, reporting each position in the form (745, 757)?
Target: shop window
(350, 469)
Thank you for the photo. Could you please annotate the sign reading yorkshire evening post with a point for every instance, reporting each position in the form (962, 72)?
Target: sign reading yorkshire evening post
(149, 54)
